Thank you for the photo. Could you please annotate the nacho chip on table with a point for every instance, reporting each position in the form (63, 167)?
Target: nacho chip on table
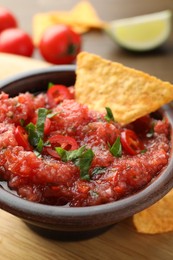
(85, 14)
(67, 19)
(156, 219)
(42, 21)
(82, 17)
(129, 93)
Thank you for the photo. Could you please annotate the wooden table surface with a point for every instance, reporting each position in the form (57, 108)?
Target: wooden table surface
(20, 241)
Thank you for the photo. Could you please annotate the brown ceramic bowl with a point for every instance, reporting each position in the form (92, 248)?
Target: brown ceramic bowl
(76, 219)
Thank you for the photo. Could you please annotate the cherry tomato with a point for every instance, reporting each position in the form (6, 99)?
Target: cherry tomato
(130, 142)
(60, 44)
(7, 19)
(66, 142)
(16, 41)
(57, 94)
(22, 138)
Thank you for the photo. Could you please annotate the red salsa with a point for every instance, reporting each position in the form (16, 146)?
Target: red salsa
(56, 151)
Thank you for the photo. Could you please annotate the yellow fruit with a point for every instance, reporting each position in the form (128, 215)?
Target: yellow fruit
(141, 33)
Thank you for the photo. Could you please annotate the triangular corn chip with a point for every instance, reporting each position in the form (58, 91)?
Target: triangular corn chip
(85, 14)
(129, 93)
(42, 21)
(156, 219)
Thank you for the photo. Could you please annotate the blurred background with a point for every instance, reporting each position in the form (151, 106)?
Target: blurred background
(158, 62)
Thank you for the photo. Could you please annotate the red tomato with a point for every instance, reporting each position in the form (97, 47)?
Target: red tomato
(57, 93)
(22, 138)
(16, 41)
(66, 142)
(60, 45)
(130, 142)
(7, 19)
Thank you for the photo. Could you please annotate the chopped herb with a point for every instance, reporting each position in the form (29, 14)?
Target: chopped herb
(144, 151)
(42, 112)
(40, 145)
(32, 134)
(98, 170)
(50, 85)
(47, 143)
(22, 122)
(116, 148)
(109, 116)
(36, 132)
(70, 155)
(81, 157)
(50, 114)
(151, 132)
(84, 164)
(37, 154)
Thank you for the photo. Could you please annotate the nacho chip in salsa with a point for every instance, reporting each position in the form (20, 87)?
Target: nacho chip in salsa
(129, 93)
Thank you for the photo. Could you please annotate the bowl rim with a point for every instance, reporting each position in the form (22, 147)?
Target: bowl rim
(133, 203)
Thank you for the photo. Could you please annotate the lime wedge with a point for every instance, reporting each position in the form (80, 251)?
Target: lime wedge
(141, 33)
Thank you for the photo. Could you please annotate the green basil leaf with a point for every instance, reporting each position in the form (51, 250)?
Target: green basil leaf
(75, 154)
(22, 122)
(37, 154)
(143, 151)
(50, 84)
(36, 132)
(116, 149)
(98, 170)
(42, 112)
(62, 153)
(32, 134)
(109, 115)
(50, 115)
(69, 155)
(40, 145)
(47, 143)
(151, 132)
(81, 157)
(85, 163)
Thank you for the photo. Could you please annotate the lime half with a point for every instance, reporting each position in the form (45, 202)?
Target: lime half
(141, 33)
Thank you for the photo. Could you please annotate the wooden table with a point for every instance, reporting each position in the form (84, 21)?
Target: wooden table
(20, 241)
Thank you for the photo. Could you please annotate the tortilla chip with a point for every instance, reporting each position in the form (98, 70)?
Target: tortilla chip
(81, 18)
(67, 19)
(129, 93)
(156, 219)
(42, 21)
(85, 14)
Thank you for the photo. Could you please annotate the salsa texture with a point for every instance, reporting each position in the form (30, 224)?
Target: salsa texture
(56, 151)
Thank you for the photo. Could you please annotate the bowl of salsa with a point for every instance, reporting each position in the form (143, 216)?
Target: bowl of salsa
(68, 168)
